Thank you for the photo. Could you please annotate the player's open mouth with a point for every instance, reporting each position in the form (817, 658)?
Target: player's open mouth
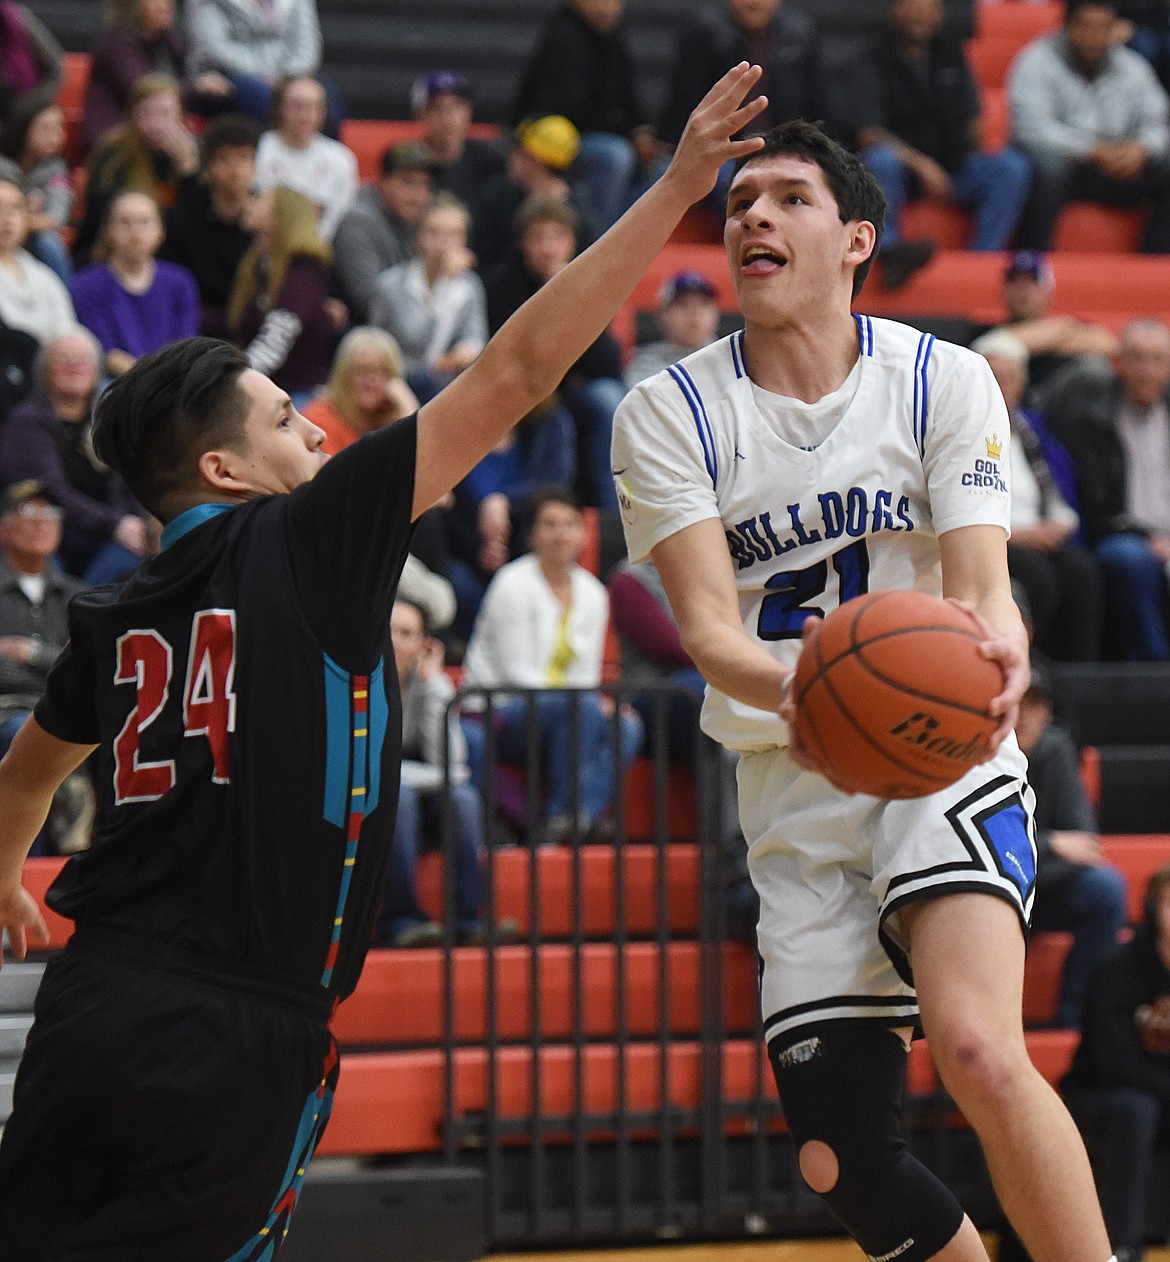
(758, 260)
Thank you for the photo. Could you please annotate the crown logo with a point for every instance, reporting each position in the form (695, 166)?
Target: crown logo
(994, 447)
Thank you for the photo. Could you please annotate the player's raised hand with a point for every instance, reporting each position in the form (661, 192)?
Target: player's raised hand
(20, 918)
(707, 143)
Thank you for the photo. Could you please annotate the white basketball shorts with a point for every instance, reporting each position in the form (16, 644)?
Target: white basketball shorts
(832, 872)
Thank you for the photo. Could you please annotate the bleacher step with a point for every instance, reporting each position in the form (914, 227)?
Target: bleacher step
(18, 986)
(13, 1033)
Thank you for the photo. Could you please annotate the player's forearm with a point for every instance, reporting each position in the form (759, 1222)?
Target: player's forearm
(732, 662)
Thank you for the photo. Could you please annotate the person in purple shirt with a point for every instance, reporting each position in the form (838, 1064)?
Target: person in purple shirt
(132, 302)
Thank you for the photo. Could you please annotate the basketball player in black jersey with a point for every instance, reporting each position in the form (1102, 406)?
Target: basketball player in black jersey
(242, 699)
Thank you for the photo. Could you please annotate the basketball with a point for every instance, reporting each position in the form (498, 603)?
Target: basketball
(892, 694)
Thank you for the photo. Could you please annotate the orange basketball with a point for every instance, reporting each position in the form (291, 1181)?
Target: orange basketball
(892, 694)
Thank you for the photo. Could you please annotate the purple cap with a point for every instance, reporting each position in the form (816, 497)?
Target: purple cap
(1029, 263)
(437, 83)
(682, 283)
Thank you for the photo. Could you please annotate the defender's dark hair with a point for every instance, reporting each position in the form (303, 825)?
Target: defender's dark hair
(230, 131)
(856, 192)
(156, 420)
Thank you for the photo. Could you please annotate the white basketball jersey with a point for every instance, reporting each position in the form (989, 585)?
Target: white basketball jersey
(920, 449)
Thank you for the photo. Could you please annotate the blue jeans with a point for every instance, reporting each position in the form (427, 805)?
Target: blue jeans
(110, 564)
(419, 826)
(603, 175)
(592, 404)
(589, 785)
(1088, 902)
(1119, 1126)
(50, 248)
(995, 185)
(1135, 592)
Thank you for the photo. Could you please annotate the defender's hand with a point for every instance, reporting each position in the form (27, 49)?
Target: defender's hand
(20, 917)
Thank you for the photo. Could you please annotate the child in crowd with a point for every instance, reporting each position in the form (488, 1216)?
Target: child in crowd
(434, 305)
(278, 309)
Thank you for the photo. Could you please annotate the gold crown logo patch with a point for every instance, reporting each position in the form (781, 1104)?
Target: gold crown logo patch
(994, 447)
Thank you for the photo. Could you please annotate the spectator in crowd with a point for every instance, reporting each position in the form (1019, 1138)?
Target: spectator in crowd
(1092, 117)
(379, 229)
(537, 169)
(278, 311)
(33, 142)
(298, 156)
(131, 302)
(18, 356)
(583, 68)
(593, 388)
(139, 38)
(542, 625)
(1077, 891)
(47, 438)
(34, 628)
(688, 315)
(205, 231)
(769, 33)
(151, 152)
(434, 305)
(254, 44)
(30, 60)
(1055, 343)
(918, 114)
(366, 389)
(1118, 1088)
(462, 164)
(1117, 429)
(1061, 579)
(431, 758)
(1149, 33)
(32, 297)
(652, 653)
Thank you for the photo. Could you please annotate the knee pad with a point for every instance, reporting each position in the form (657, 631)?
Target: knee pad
(841, 1084)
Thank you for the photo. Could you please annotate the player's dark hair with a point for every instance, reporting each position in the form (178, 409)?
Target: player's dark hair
(552, 494)
(856, 192)
(156, 420)
(230, 131)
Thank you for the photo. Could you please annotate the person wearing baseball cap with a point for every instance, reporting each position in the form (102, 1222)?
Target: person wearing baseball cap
(441, 101)
(688, 315)
(537, 167)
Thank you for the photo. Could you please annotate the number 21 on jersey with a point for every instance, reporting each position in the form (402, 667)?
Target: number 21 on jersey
(146, 660)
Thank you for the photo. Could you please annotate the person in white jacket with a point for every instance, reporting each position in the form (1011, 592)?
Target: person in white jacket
(542, 625)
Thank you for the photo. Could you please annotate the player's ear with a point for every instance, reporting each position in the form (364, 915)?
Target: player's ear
(223, 469)
(860, 241)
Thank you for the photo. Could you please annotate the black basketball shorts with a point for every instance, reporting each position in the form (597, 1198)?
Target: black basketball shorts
(160, 1114)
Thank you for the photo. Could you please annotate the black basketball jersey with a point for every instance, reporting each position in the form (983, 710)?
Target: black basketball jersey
(242, 690)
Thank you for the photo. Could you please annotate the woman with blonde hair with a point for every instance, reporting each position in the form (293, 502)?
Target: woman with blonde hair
(279, 312)
(365, 390)
(151, 152)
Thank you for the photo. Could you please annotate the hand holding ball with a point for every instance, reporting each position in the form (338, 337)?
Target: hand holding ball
(892, 694)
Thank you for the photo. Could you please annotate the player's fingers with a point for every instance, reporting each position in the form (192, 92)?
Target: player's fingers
(17, 943)
(746, 113)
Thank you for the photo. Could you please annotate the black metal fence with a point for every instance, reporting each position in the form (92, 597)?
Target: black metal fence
(646, 1110)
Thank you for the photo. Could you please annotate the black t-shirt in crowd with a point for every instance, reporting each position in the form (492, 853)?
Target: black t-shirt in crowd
(242, 690)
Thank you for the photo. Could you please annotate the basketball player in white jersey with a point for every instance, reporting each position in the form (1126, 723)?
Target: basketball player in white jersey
(772, 476)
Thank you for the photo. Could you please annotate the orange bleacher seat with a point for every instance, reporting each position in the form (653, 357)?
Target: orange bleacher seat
(1043, 971)
(990, 58)
(996, 122)
(950, 226)
(399, 1000)
(369, 138)
(71, 99)
(1088, 228)
(1013, 19)
(594, 890)
(1137, 858)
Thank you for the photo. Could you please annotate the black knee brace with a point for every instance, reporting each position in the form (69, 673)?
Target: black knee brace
(842, 1084)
